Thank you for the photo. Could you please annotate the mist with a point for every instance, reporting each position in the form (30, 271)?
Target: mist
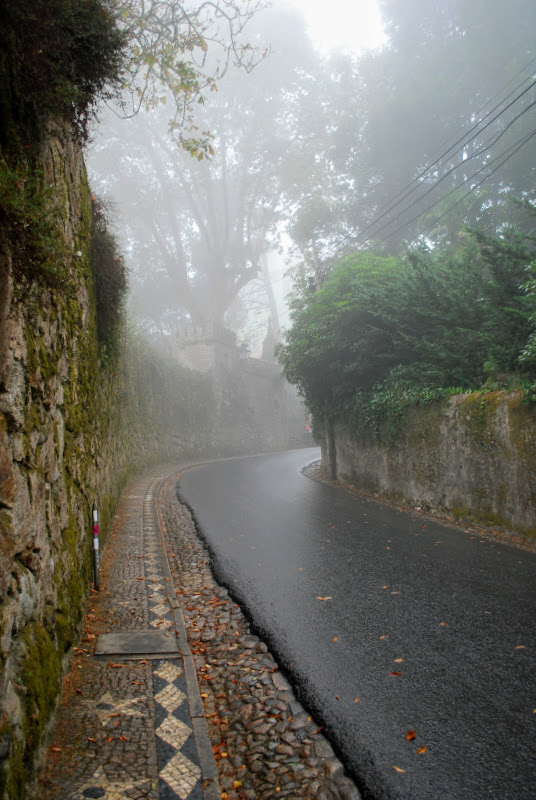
(308, 157)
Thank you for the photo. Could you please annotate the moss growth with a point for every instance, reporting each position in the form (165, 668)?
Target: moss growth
(522, 426)
(12, 782)
(40, 678)
(29, 215)
(480, 409)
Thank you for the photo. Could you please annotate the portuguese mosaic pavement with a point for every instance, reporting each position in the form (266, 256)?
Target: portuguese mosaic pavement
(124, 729)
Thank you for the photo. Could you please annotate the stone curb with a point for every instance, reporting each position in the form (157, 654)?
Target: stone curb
(209, 773)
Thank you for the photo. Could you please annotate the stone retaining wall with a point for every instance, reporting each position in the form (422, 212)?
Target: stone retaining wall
(75, 424)
(473, 457)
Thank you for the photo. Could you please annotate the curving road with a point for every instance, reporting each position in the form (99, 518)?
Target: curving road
(453, 614)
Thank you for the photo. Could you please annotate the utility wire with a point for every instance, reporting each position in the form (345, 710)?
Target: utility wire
(462, 141)
(416, 182)
(450, 171)
(508, 153)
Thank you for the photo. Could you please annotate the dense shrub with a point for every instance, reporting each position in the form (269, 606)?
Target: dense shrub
(57, 58)
(110, 280)
(440, 317)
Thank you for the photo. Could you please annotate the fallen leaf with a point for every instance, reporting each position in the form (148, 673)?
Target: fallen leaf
(237, 784)
(109, 739)
(520, 647)
(384, 587)
(335, 639)
(410, 735)
(90, 739)
(56, 749)
(383, 637)
(356, 700)
(442, 624)
(421, 750)
(123, 739)
(398, 769)
(398, 660)
(324, 598)
(396, 674)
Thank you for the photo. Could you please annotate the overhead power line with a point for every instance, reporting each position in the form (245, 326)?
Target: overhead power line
(393, 203)
(450, 153)
(510, 153)
(443, 177)
(463, 141)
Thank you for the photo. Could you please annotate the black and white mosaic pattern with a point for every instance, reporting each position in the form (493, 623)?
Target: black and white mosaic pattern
(178, 764)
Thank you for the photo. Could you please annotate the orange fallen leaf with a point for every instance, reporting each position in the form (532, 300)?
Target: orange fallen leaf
(396, 674)
(442, 624)
(421, 750)
(324, 598)
(398, 660)
(520, 647)
(356, 700)
(123, 739)
(383, 637)
(335, 639)
(109, 739)
(384, 587)
(56, 749)
(91, 739)
(410, 735)
(398, 769)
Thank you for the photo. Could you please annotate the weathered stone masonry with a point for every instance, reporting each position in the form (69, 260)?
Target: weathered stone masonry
(471, 457)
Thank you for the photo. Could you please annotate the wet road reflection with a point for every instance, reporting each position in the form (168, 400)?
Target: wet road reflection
(385, 622)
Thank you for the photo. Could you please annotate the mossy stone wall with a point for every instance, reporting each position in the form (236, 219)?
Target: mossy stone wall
(471, 457)
(74, 425)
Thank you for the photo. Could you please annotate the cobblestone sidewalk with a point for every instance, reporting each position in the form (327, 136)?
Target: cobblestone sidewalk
(125, 727)
(133, 728)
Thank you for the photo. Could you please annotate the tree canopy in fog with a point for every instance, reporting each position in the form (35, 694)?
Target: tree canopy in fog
(177, 53)
(412, 142)
(195, 230)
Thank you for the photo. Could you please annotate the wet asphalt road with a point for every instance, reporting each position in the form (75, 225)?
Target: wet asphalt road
(459, 611)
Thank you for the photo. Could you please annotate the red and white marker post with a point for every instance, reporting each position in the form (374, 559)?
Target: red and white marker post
(95, 515)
